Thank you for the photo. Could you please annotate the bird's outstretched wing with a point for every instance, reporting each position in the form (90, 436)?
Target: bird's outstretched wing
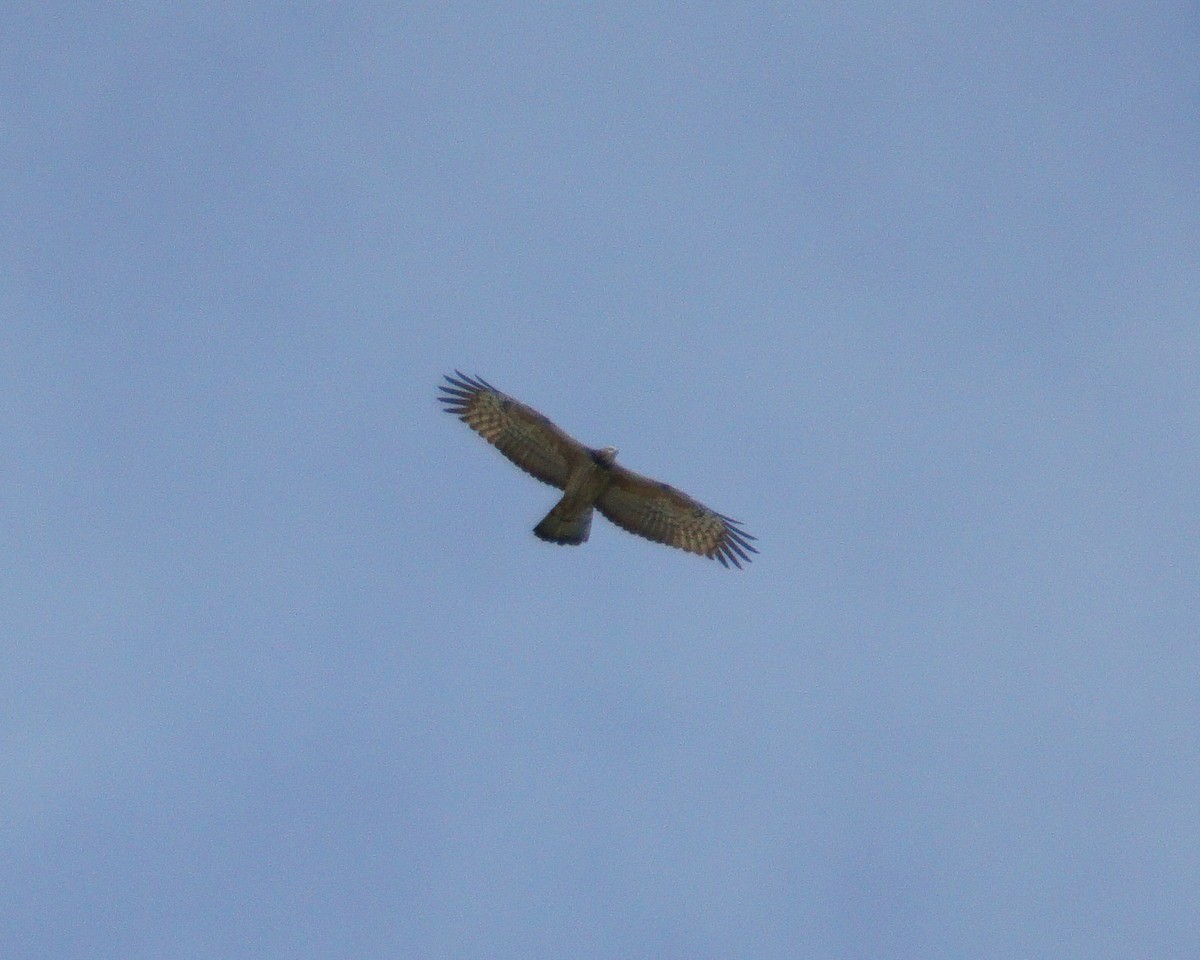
(659, 512)
(527, 438)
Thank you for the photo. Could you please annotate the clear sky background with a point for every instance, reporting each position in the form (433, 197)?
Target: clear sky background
(911, 289)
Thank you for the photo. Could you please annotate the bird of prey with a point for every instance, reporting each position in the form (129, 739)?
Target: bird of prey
(591, 479)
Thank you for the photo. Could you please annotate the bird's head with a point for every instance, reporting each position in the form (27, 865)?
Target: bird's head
(606, 456)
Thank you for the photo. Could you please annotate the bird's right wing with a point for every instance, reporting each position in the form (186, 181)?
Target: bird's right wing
(527, 438)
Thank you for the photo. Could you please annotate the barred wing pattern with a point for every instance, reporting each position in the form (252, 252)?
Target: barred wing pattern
(659, 512)
(519, 432)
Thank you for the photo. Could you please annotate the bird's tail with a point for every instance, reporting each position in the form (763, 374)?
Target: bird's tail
(562, 525)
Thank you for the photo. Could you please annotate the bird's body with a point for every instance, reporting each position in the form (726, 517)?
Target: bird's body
(570, 520)
(591, 479)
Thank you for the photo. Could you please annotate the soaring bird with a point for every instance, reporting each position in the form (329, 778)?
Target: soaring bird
(591, 479)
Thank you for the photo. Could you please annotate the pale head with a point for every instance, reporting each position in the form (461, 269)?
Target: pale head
(605, 456)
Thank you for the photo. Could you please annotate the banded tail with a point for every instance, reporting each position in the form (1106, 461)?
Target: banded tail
(565, 526)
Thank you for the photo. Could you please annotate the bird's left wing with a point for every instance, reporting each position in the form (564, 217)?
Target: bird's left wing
(659, 512)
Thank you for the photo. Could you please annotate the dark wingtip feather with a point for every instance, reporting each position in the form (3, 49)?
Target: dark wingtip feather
(474, 383)
(458, 391)
(737, 541)
(734, 547)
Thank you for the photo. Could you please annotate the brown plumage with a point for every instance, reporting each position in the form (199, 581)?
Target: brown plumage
(591, 479)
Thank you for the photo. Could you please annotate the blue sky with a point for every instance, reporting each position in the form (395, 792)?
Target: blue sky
(910, 291)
